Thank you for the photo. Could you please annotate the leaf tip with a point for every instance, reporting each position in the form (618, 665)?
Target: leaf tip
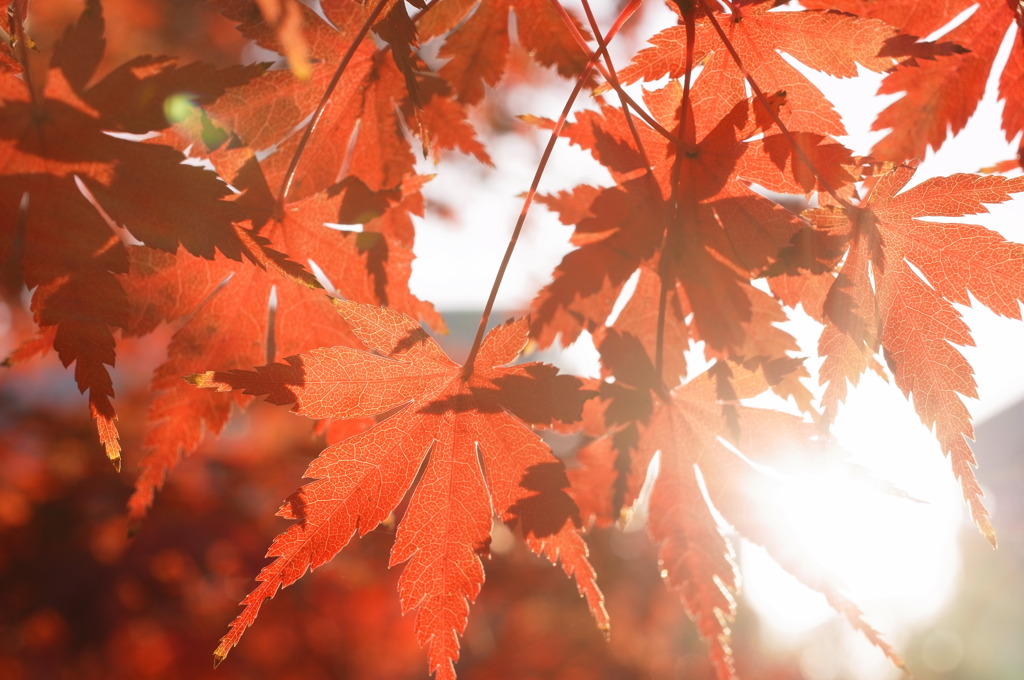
(536, 121)
(989, 533)
(203, 380)
(341, 305)
(108, 436)
(303, 71)
(349, 309)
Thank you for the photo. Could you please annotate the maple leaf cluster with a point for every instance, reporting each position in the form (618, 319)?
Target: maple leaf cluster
(266, 213)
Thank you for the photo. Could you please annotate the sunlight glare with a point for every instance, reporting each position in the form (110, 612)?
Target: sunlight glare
(896, 555)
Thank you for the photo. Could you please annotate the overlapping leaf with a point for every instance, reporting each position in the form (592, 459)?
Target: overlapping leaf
(477, 41)
(361, 132)
(759, 36)
(688, 222)
(940, 95)
(226, 305)
(377, 189)
(63, 176)
(895, 294)
(469, 432)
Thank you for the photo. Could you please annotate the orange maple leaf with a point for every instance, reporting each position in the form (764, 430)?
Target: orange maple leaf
(941, 94)
(481, 459)
(362, 132)
(477, 47)
(759, 36)
(895, 294)
(683, 214)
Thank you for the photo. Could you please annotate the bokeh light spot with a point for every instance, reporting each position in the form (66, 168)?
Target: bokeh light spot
(179, 106)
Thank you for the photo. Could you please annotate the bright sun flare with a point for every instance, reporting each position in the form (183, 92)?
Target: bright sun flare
(896, 555)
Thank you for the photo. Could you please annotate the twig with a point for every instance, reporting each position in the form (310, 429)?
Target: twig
(467, 370)
(289, 175)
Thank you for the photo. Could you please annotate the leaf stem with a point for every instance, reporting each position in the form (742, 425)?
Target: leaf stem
(627, 11)
(664, 275)
(613, 80)
(467, 369)
(514, 239)
(289, 175)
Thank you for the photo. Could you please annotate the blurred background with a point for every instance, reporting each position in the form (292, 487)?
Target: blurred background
(83, 595)
(80, 599)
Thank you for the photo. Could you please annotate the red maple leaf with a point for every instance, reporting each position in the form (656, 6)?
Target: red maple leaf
(477, 47)
(226, 304)
(940, 95)
(895, 294)
(759, 36)
(684, 215)
(69, 177)
(362, 131)
(469, 431)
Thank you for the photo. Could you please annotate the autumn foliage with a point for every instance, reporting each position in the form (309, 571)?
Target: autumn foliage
(165, 198)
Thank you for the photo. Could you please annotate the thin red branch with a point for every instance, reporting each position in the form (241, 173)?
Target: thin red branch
(664, 275)
(602, 46)
(289, 175)
(612, 80)
(528, 201)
